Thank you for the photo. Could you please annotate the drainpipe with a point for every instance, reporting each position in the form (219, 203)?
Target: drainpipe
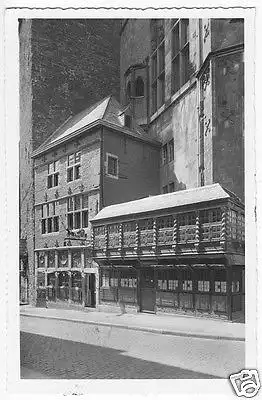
(101, 183)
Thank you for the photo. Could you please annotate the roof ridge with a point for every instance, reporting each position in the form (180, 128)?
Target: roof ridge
(108, 101)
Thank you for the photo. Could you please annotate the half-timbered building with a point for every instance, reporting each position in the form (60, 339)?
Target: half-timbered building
(180, 252)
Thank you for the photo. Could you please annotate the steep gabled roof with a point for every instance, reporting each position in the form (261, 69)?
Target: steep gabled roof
(107, 112)
(164, 201)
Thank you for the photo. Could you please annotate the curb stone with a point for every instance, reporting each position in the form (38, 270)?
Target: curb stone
(138, 328)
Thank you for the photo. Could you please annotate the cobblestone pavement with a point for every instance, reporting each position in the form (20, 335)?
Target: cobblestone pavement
(65, 359)
(60, 349)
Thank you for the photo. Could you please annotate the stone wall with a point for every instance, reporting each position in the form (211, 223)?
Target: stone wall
(138, 169)
(26, 190)
(75, 64)
(89, 182)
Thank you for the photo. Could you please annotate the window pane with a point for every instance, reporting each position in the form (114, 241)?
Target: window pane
(56, 224)
(77, 220)
(70, 221)
(44, 211)
(175, 41)
(49, 181)
(56, 165)
(49, 225)
(185, 31)
(78, 157)
(165, 189)
(185, 64)
(43, 226)
(56, 179)
(161, 59)
(71, 159)
(77, 172)
(161, 84)
(176, 74)
(77, 202)
(50, 168)
(112, 165)
(84, 219)
(164, 152)
(85, 201)
(154, 98)
(139, 87)
(171, 150)
(69, 174)
(70, 204)
(154, 67)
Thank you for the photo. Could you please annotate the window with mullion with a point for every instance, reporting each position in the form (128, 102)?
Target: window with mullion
(158, 77)
(73, 166)
(49, 218)
(180, 54)
(77, 211)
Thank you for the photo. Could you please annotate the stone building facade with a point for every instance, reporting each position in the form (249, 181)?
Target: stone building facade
(65, 66)
(192, 72)
(91, 161)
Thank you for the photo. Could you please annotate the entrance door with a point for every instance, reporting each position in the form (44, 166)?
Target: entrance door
(148, 290)
(90, 290)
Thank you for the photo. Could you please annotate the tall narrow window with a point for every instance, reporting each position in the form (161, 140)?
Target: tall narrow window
(112, 165)
(139, 87)
(158, 67)
(52, 178)
(180, 54)
(73, 168)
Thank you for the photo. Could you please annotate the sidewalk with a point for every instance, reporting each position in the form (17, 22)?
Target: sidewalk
(161, 324)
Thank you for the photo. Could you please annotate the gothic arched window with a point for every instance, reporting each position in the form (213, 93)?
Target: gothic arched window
(139, 87)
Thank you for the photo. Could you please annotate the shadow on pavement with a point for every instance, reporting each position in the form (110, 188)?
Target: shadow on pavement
(64, 359)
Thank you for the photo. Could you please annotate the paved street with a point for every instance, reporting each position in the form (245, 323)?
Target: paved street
(61, 349)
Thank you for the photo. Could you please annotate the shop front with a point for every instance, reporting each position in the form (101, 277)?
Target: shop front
(68, 276)
(193, 289)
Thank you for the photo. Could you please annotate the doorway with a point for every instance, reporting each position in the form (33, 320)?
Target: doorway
(90, 290)
(148, 290)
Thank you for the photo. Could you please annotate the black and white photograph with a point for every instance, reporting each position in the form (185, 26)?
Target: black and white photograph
(133, 191)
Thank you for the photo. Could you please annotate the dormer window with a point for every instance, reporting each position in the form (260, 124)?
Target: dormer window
(139, 87)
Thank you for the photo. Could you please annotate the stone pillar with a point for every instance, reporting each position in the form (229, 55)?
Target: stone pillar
(83, 275)
(35, 277)
(56, 285)
(229, 290)
(70, 287)
(212, 287)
